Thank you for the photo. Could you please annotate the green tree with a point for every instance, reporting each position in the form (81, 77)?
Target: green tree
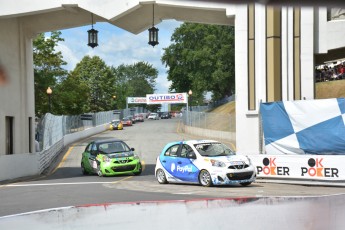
(201, 58)
(97, 77)
(134, 80)
(47, 68)
(71, 94)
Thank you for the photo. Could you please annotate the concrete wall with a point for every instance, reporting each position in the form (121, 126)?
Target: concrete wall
(325, 212)
(31, 164)
(18, 93)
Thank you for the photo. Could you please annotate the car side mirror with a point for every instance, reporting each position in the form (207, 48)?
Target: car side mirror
(132, 149)
(191, 155)
(94, 152)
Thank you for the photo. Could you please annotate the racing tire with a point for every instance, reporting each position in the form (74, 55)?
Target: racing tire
(245, 184)
(140, 171)
(83, 169)
(99, 171)
(161, 178)
(205, 178)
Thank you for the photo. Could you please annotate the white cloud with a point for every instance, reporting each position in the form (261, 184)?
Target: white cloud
(117, 47)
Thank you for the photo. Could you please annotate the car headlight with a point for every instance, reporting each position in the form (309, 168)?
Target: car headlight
(216, 163)
(136, 156)
(106, 159)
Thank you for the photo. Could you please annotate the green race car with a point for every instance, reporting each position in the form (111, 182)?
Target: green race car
(110, 157)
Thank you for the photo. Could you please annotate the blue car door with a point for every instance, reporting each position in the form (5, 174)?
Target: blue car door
(168, 160)
(185, 168)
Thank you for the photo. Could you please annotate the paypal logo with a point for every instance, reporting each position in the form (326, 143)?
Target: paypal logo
(184, 168)
(173, 167)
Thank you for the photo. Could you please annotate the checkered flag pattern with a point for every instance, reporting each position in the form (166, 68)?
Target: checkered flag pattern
(304, 127)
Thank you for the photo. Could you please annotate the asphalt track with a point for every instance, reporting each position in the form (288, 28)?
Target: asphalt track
(64, 185)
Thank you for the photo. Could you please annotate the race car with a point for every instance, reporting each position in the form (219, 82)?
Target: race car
(116, 125)
(109, 158)
(205, 162)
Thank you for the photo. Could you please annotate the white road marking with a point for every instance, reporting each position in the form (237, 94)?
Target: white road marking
(52, 184)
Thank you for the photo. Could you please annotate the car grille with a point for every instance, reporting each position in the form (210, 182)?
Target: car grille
(242, 166)
(123, 168)
(239, 176)
(125, 161)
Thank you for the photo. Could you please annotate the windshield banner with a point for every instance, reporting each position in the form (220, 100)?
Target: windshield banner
(171, 98)
(136, 100)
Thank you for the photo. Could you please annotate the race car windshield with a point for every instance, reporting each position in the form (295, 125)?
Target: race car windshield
(113, 147)
(213, 149)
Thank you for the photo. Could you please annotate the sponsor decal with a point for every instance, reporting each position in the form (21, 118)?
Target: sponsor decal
(166, 98)
(136, 100)
(185, 168)
(316, 169)
(270, 168)
(172, 167)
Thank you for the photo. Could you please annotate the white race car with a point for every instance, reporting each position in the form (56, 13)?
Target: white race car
(204, 162)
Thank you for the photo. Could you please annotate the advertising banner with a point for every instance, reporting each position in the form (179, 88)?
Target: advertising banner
(136, 100)
(304, 127)
(170, 98)
(307, 167)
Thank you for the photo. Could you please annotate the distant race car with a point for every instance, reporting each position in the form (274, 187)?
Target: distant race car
(109, 158)
(166, 115)
(116, 125)
(153, 116)
(204, 162)
(127, 122)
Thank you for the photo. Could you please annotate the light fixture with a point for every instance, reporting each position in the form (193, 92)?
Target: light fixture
(153, 31)
(49, 93)
(93, 35)
(190, 92)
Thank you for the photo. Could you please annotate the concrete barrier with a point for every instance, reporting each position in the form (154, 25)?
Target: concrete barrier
(267, 213)
(32, 164)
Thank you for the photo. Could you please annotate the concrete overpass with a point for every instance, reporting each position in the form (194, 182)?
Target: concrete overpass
(276, 49)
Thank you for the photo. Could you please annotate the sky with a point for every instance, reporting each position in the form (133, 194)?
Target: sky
(117, 46)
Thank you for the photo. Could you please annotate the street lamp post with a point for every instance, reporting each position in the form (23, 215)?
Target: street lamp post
(114, 98)
(190, 92)
(49, 93)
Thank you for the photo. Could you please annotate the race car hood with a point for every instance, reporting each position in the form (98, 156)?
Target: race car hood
(118, 155)
(230, 159)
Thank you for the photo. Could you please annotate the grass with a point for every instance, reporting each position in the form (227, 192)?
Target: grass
(330, 89)
(323, 90)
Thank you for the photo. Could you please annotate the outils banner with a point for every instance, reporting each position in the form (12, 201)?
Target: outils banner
(171, 98)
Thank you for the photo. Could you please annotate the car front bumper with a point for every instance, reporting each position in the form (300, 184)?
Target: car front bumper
(112, 169)
(230, 176)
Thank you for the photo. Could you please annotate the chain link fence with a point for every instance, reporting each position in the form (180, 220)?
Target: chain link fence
(51, 128)
(213, 121)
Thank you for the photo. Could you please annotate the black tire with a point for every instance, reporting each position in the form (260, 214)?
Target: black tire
(161, 178)
(99, 171)
(245, 184)
(140, 171)
(83, 169)
(205, 178)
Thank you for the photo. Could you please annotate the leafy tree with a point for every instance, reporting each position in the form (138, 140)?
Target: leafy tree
(97, 78)
(201, 58)
(47, 68)
(134, 80)
(71, 93)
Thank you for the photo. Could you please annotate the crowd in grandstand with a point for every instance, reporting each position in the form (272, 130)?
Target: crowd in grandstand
(330, 73)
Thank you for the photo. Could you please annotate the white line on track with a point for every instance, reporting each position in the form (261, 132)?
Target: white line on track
(52, 184)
